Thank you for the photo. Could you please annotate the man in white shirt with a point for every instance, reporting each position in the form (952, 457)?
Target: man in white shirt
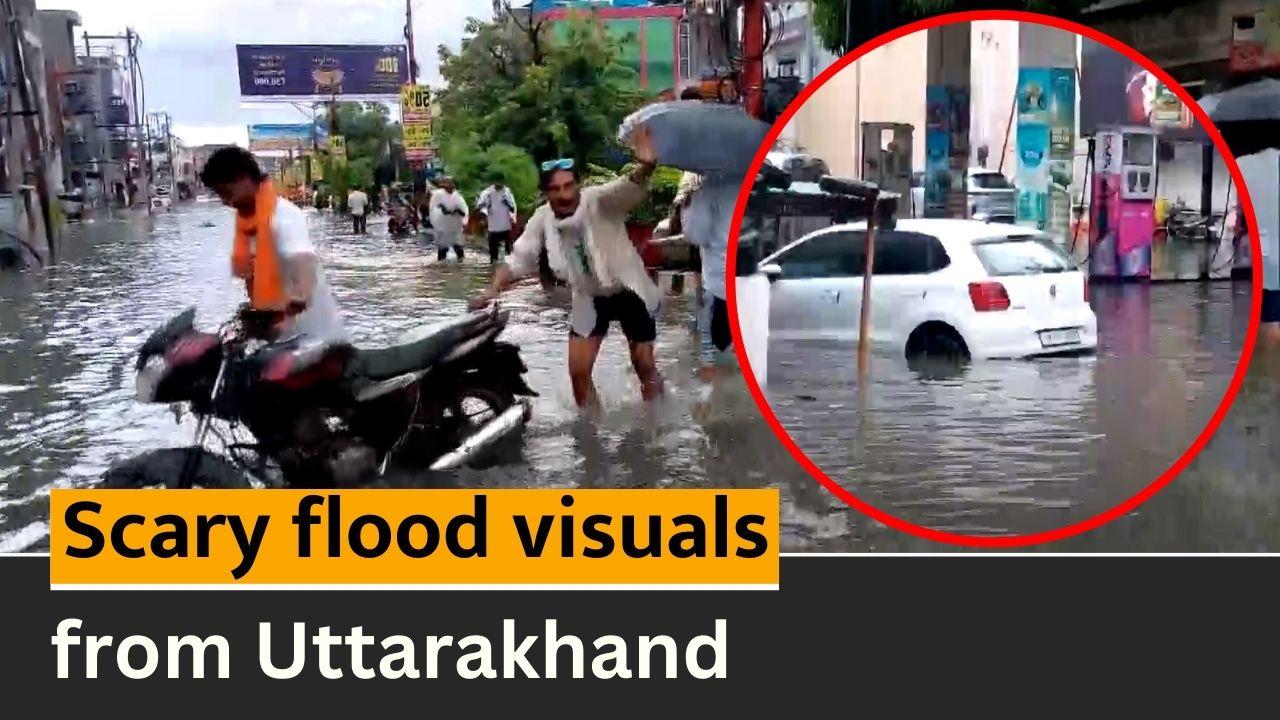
(309, 306)
(1261, 171)
(498, 206)
(584, 234)
(358, 206)
(448, 218)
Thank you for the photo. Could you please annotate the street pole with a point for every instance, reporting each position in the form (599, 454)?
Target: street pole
(34, 123)
(408, 34)
(140, 121)
(753, 56)
(864, 312)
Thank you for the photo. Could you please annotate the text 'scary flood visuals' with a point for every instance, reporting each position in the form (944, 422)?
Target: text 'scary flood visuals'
(478, 341)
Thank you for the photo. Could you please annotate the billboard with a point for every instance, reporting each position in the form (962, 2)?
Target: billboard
(1114, 91)
(322, 71)
(415, 122)
(285, 138)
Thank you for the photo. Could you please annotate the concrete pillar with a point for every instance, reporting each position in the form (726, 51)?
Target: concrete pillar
(947, 117)
(1046, 126)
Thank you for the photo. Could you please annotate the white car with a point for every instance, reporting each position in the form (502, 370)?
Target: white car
(954, 288)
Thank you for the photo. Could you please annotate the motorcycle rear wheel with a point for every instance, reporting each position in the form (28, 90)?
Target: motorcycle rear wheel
(164, 469)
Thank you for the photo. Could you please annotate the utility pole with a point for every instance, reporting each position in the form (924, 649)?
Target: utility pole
(34, 124)
(753, 56)
(143, 127)
(408, 35)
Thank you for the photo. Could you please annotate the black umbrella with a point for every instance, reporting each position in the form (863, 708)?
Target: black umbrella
(1248, 115)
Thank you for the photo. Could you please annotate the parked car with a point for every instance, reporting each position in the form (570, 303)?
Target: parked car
(801, 167)
(991, 196)
(953, 288)
(162, 200)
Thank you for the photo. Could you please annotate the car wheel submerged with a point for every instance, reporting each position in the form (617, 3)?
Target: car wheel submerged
(936, 345)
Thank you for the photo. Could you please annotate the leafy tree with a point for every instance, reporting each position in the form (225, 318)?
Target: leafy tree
(373, 154)
(513, 84)
(880, 16)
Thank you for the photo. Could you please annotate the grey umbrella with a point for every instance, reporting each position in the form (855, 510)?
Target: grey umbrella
(1248, 116)
(1258, 100)
(698, 136)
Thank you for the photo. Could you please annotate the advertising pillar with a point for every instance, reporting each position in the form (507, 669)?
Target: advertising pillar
(1046, 127)
(947, 120)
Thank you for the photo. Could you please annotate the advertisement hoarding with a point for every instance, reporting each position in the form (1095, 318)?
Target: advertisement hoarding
(301, 137)
(415, 122)
(1116, 91)
(322, 71)
(1034, 136)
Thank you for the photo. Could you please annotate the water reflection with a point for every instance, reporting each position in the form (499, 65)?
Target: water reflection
(1000, 447)
(994, 448)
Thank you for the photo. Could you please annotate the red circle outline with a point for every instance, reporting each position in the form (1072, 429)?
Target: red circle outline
(997, 541)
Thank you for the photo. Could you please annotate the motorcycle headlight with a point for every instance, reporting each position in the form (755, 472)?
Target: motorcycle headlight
(149, 377)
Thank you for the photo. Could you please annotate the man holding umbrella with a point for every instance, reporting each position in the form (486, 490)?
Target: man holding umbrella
(1249, 118)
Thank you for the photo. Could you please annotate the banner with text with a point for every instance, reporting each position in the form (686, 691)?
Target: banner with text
(322, 72)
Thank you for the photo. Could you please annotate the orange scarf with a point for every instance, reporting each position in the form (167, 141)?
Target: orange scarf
(254, 256)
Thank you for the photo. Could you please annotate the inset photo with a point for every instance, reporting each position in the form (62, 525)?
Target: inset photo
(994, 279)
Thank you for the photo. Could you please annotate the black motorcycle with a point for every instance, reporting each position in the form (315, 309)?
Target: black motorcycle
(327, 414)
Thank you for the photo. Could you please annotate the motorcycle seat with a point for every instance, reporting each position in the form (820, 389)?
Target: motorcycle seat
(423, 347)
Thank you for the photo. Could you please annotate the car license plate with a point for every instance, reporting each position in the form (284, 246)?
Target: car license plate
(1051, 338)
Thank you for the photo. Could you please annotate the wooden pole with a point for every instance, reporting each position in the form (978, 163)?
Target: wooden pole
(864, 319)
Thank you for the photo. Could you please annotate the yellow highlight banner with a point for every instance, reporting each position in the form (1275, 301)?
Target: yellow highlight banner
(488, 538)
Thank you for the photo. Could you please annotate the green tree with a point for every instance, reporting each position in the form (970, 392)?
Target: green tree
(832, 25)
(373, 153)
(513, 84)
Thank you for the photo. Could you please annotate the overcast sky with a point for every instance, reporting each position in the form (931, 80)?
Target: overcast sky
(188, 47)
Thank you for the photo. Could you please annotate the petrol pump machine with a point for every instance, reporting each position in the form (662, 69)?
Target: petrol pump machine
(1122, 215)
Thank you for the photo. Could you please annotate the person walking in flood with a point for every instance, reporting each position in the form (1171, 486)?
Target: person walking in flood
(358, 206)
(583, 231)
(498, 206)
(448, 219)
(272, 252)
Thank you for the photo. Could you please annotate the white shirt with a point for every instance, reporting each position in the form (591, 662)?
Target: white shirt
(499, 206)
(357, 201)
(1261, 173)
(448, 223)
(597, 259)
(298, 255)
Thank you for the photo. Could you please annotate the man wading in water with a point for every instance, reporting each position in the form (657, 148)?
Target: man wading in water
(585, 236)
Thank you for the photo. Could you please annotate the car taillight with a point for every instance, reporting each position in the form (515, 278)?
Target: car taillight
(988, 296)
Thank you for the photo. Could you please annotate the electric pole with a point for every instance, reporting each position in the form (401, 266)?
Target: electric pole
(753, 56)
(408, 36)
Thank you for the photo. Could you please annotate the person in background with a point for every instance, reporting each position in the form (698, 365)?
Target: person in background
(448, 219)
(272, 252)
(358, 206)
(583, 231)
(498, 206)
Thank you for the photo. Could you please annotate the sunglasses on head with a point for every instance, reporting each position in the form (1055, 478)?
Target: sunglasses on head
(561, 164)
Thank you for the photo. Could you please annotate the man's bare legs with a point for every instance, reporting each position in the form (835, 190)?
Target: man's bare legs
(1269, 336)
(582, 360)
(646, 367)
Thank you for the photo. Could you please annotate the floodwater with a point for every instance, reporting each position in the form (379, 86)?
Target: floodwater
(68, 338)
(1007, 447)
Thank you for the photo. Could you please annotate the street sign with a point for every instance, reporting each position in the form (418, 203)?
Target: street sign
(338, 147)
(415, 103)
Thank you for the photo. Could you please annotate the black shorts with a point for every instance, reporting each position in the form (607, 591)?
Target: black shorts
(1271, 306)
(721, 333)
(629, 311)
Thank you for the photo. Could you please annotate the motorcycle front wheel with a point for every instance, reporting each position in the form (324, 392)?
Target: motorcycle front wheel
(191, 467)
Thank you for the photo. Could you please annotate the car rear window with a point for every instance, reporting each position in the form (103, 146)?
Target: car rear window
(992, 181)
(1021, 255)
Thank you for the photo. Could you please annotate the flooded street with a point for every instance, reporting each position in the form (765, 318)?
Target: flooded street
(69, 335)
(1004, 447)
